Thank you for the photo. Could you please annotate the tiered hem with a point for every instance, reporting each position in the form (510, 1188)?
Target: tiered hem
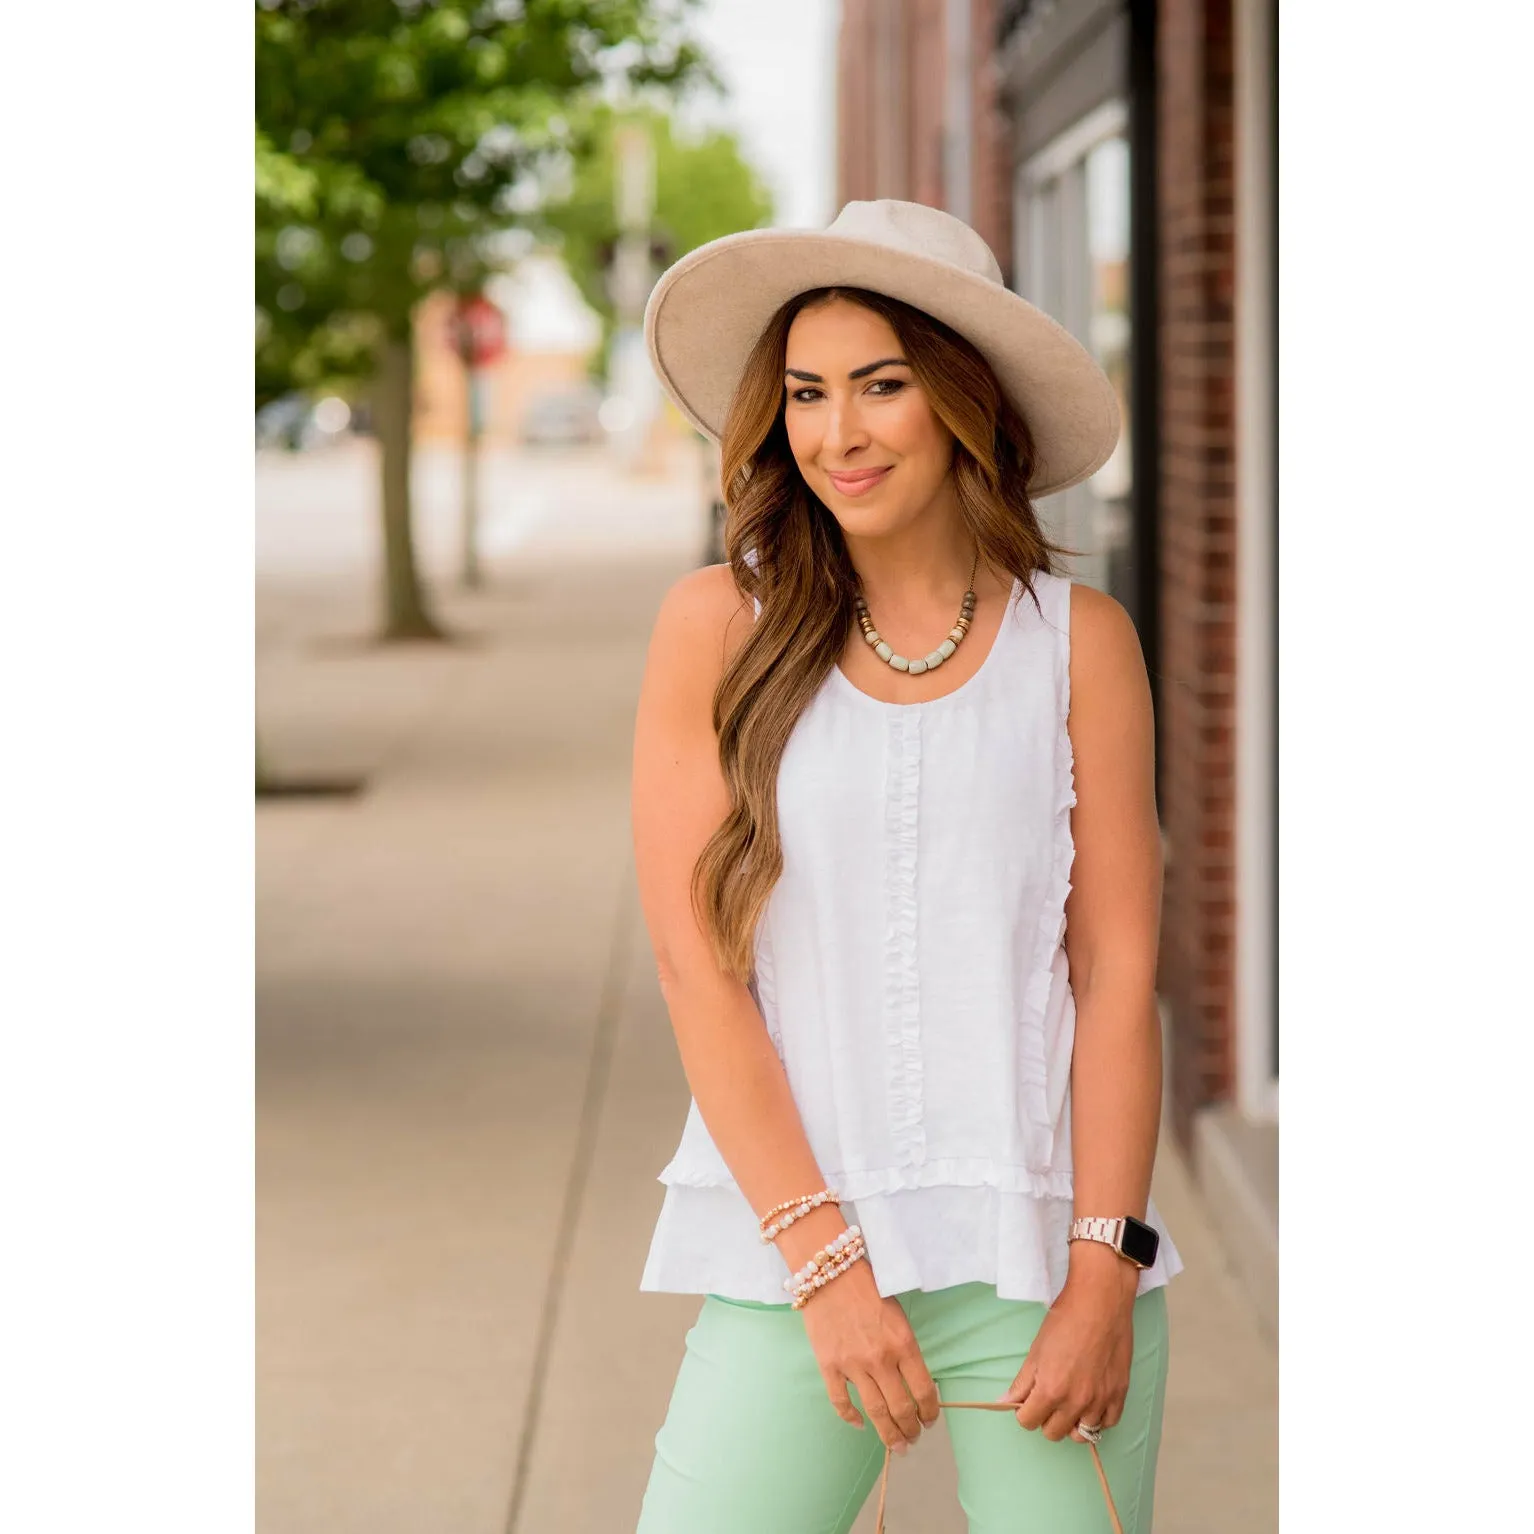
(706, 1242)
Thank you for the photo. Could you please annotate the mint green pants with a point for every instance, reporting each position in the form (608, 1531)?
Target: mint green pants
(752, 1445)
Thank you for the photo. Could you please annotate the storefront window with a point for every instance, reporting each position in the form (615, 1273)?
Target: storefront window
(1107, 176)
(1073, 209)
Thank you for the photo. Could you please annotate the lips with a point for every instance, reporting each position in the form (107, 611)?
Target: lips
(859, 483)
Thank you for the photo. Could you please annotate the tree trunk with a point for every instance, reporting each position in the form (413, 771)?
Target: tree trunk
(406, 615)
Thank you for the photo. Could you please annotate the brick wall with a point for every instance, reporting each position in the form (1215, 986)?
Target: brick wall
(926, 85)
(853, 170)
(991, 140)
(891, 85)
(1197, 536)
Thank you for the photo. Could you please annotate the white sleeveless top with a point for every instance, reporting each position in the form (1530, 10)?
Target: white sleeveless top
(911, 972)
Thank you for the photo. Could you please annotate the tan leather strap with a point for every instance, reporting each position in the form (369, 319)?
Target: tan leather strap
(1011, 1406)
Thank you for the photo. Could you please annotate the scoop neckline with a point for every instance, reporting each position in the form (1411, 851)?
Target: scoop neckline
(848, 685)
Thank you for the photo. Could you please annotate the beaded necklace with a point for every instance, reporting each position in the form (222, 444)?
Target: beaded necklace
(934, 658)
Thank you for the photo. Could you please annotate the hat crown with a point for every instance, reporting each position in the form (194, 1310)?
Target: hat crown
(918, 230)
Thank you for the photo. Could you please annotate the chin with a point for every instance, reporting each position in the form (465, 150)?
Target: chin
(877, 525)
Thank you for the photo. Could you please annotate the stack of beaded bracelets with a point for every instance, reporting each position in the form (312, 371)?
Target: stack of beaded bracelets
(832, 1259)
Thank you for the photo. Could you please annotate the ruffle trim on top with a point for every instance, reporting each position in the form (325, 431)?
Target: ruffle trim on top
(1050, 930)
(902, 1009)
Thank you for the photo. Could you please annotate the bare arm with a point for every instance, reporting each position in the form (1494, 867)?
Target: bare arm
(679, 799)
(1113, 922)
(1078, 1367)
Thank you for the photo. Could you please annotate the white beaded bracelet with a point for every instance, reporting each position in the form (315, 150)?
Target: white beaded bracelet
(814, 1201)
(823, 1258)
(855, 1253)
(806, 1292)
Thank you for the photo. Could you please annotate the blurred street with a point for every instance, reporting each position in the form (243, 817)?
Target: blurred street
(466, 1078)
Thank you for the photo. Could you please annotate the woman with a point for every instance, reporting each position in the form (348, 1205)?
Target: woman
(898, 853)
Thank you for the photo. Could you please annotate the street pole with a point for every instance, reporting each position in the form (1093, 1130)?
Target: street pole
(631, 279)
(472, 573)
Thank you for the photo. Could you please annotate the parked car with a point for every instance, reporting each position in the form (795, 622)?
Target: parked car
(296, 421)
(562, 417)
(280, 422)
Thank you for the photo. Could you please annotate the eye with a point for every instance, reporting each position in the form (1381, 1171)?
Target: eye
(895, 385)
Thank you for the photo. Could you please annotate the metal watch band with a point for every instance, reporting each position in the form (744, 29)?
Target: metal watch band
(1134, 1240)
(1098, 1227)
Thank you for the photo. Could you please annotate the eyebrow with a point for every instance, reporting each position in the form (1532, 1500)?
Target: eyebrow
(862, 372)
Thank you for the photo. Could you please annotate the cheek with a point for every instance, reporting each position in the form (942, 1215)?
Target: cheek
(916, 434)
(803, 439)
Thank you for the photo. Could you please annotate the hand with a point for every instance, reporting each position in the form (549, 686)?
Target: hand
(1078, 1367)
(860, 1335)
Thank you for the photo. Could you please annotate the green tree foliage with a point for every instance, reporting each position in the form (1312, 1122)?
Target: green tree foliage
(704, 188)
(310, 330)
(396, 138)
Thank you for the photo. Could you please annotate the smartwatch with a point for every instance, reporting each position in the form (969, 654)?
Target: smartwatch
(1130, 1238)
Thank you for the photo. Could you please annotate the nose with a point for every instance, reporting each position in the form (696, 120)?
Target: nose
(844, 427)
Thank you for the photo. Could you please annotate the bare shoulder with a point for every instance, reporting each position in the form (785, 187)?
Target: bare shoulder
(1106, 659)
(707, 595)
(703, 619)
(1099, 621)
(706, 608)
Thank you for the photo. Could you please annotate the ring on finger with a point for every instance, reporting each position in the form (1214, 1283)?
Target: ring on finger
(1090, 1431)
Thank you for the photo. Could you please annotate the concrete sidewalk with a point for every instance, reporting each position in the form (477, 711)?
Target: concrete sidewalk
(466, 1078)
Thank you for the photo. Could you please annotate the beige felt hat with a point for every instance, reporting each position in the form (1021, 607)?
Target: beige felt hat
(708, 309)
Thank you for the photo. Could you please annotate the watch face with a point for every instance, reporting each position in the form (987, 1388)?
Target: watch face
(1140, 1242)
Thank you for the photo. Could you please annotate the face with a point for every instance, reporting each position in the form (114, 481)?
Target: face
(861, 428)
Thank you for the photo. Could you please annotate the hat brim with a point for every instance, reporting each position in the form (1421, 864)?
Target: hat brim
(708, 310)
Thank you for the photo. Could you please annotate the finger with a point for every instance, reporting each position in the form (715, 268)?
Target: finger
(1094, 1414)
(902, 1407)
(923, 1390)
(1037, 1406)
(877, 1410)
(1022, 1384)
(1113, 1411)
(841, 1402)
(1061, 1422)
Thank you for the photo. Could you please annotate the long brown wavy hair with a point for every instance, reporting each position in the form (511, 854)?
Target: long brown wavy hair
(806, 582)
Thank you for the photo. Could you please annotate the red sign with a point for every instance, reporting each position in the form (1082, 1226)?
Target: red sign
(479, 330)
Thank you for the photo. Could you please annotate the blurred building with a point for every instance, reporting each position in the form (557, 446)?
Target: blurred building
(1119, 156)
